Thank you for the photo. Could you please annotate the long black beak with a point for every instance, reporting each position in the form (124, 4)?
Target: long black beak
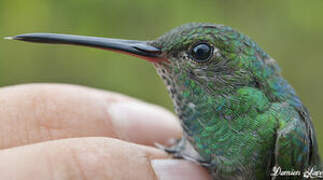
(137, 48)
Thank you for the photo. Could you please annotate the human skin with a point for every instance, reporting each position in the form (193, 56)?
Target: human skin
(57, 131)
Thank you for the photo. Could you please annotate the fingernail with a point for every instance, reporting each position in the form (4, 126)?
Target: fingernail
(171, 169)
(134, 120)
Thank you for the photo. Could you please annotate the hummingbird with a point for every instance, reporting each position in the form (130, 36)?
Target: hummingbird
(241, 118)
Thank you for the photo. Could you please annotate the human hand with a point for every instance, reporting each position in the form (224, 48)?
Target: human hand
(51, 131)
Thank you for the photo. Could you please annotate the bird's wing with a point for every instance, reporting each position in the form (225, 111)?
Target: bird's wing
(314, 154)
(296, 146)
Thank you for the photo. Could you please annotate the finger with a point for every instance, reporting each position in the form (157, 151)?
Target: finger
(89, 158)
(40, 112)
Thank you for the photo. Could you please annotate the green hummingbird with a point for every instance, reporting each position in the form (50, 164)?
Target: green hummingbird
(241, 119)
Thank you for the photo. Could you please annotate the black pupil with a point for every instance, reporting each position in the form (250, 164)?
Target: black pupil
(201, 52)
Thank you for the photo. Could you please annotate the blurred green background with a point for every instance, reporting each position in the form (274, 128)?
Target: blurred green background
(291, 31)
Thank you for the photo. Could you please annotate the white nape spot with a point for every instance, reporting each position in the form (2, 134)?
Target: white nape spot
(191, 105)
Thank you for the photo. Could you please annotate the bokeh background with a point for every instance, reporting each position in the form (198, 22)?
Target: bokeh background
(291, 31)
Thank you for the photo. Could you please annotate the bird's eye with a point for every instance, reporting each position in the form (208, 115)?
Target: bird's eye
(201, 52)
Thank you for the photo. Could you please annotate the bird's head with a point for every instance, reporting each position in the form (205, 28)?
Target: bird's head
(211, 58)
